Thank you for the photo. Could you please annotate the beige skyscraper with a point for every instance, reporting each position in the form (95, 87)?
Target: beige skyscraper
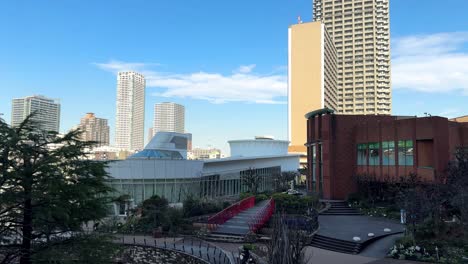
(130, 116)
(360, 30)
(94, 129)
(312, 72)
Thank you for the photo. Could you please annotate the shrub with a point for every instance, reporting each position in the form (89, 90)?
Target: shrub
(258, 197)
(196, 207)
(292, 204)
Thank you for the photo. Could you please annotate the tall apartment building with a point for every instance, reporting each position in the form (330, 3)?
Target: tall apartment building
(169, 117)
(94, 129)
(130, 116)
(46, 110)
(312, 71)
(360, 30)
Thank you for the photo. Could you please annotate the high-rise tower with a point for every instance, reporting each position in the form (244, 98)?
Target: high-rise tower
(312, 74)
(130, 116)
(360, 30)
(46, 110)
(94, 129)
(169, 117)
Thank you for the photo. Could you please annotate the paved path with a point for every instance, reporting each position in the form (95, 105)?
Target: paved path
(380, 248)
(239, 224)
(345, 227)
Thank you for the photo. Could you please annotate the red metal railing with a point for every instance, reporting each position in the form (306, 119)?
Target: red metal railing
(231, 211)
(262, 216)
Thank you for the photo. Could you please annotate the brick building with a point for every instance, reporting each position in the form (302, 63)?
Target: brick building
(340, 147)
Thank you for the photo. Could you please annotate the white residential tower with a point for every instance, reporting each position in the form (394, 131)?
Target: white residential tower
(130, 116)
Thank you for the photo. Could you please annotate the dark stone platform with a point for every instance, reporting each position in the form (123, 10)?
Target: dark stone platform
(348, 226)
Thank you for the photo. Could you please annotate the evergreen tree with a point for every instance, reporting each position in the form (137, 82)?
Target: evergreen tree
(48, 191)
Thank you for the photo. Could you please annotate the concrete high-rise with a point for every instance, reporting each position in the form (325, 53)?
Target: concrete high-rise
(46, 110)
(169, 117)
(94, 129)
(360, 30)
(312, 71)
(130, 116)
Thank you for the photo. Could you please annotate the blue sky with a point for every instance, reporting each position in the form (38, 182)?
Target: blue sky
(224, 60)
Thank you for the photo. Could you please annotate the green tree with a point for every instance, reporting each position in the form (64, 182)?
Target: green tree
(48, 190)
(153, 212)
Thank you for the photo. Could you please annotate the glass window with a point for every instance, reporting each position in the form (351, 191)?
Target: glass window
(374, 157)
(405, 153)
(362, 154)
(388, 153)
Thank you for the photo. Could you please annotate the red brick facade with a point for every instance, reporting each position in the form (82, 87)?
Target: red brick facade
(391, 146)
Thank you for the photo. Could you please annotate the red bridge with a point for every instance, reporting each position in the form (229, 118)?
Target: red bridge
(242, 217)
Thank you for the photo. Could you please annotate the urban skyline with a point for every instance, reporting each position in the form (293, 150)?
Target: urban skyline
(83, 87)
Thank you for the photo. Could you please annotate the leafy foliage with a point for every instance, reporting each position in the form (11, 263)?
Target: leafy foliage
(48, 190)
(197, 207)
(154, 213)
(437, 212)
(291, 204)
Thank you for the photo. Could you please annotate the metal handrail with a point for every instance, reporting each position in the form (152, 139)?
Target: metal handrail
(263, 216)
(231, 211)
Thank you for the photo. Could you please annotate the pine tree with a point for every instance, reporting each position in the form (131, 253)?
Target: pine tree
(48, 190)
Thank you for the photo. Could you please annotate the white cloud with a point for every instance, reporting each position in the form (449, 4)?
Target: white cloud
(246, 68)
(431, 63)
(243, 85)
(116, 66)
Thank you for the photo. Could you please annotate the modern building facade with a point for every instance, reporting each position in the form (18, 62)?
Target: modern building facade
(341, 147)
(169, 117)
(130, 116)
(161, 169)
(360, 30)
(205, 153)
(94, 129)
(312, 71)
(46, 110)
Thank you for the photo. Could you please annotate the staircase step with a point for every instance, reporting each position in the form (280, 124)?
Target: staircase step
(336, 244)
(334, 249)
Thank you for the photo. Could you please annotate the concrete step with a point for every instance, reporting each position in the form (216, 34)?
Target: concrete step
(340, 213)
(336, 244)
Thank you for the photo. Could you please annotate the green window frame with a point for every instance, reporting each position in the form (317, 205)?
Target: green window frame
(405, 153)
(374, 154)
(388, 153)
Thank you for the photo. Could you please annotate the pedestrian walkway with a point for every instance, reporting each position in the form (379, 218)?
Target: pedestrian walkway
(343, 229)
(240, 224)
